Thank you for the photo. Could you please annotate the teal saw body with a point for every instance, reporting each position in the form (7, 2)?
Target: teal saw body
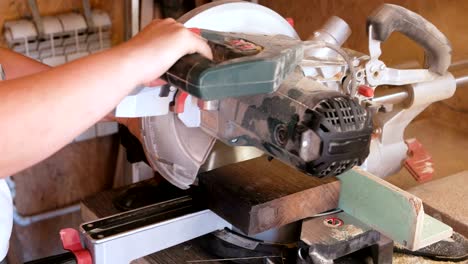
(242, 65)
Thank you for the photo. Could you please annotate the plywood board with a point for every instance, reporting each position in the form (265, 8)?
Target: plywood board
(395, 213)
(446, 199)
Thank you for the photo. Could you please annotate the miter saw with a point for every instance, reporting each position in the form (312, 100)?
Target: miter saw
(316, 106)
(311, 104)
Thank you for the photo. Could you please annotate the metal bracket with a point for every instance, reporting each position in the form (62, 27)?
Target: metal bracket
(327, 238)
(88, 15)
(134, 234)
(36, 17)
(377, 73)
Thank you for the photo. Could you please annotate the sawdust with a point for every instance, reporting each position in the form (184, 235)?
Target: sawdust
(399, 258)
(345, 232)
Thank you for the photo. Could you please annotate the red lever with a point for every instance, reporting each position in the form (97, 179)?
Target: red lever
(71, 242)
(419, 163)
(180, 98)
(366, 91)
(290, 21)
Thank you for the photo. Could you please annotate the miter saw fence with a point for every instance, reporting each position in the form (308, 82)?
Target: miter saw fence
(308, 103)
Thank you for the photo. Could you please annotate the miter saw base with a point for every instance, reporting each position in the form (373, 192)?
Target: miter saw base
(330, 238)
(337, 238)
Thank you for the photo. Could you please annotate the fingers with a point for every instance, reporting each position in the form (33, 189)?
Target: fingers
(163, 21)
(154, 83)
(197, 44)
(200, 45)
(203, 48)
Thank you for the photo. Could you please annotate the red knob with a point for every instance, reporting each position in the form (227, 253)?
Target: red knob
(71, 242)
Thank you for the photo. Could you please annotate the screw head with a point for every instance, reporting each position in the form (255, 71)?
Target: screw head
(333, 222)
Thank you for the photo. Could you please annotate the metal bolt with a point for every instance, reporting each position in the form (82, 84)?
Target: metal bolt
(377, 131)
(89, 225)
(300, 254)
(333, 222)
(234, 140)
(100, 236)
(356, 62)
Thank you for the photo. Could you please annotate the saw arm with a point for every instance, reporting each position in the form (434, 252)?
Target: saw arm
(290, 99)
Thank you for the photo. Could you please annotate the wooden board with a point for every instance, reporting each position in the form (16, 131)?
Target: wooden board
(446, 199)
(393, 212)
(76, 171)
(257, 195)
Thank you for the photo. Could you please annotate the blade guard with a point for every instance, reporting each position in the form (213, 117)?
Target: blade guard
(174, 150)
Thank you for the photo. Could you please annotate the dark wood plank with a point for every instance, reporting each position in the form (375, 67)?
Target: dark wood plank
(258, 195)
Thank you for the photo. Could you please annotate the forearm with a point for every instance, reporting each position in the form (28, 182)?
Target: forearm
(16, 65)
(43, 112)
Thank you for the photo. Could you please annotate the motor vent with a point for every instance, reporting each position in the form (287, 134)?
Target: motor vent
(344, 114)
(345, 130)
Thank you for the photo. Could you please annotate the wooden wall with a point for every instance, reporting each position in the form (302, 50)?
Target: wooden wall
(448, 15)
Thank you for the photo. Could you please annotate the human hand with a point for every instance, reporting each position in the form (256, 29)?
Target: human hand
(159, 45)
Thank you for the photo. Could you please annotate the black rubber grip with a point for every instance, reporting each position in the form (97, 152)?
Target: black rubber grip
(389, 18)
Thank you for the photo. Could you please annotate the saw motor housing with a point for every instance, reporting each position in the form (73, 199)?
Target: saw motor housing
(264, 100)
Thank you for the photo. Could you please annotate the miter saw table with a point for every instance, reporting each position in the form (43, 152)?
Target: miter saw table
(279, 246)
(160, 227)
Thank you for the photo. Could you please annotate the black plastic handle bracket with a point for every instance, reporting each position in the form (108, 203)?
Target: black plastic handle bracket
(389, 18)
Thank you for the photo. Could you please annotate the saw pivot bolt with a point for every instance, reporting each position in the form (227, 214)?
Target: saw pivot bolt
(333, 222)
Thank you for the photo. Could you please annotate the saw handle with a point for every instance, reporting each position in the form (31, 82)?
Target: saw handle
(185, 73)
(389, 18)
